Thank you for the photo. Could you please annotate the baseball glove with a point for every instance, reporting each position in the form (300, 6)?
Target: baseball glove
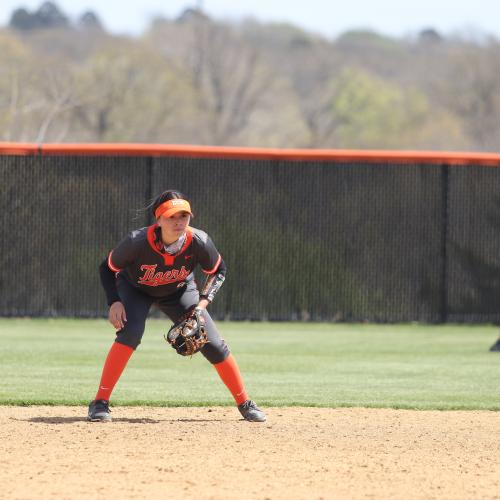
(188, 336)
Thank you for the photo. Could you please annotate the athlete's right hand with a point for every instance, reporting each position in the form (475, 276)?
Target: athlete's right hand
(117, 316)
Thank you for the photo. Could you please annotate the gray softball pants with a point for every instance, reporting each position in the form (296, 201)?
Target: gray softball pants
(137, 305)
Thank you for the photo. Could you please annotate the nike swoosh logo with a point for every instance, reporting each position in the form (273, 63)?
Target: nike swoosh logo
(188, 257)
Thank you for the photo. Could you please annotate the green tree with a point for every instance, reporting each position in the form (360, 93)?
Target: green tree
(129, 92)
(48, 16)
(374, 113)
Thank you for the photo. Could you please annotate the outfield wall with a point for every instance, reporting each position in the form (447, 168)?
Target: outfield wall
(306, 234)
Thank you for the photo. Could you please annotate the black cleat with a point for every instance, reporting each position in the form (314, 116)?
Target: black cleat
(99, 411)
(251, 412)
(495, 346)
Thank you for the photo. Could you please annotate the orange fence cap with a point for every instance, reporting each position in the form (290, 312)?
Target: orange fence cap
(195, 151)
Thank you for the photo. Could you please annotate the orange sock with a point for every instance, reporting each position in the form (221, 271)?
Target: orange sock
(115, 363)
(230, 374)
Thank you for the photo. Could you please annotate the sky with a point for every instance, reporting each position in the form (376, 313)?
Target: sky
(396, 18)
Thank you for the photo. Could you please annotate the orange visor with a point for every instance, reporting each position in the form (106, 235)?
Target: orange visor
(171, 207)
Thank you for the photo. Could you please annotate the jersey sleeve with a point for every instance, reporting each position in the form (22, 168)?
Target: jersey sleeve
(214, 282)
(208, 256)
(108, 281)
(122, 255)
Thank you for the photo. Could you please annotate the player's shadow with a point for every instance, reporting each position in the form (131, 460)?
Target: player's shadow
(72, 420)
(192, 420)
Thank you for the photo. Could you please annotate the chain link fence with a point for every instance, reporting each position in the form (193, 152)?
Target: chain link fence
(303, 240)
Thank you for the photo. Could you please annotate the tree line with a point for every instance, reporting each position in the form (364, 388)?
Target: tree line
(198, 80)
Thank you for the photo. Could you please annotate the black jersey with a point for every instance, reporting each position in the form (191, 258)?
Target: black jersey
(141, 260)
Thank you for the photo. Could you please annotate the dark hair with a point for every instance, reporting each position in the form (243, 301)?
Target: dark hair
(150, 208)
(170, 194)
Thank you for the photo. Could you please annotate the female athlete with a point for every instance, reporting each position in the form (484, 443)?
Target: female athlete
(154, 265)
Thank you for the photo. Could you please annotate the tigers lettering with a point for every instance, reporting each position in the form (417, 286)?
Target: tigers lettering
(153, 278)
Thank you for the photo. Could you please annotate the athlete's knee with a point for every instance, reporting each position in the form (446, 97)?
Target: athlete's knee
(216, 352)
(131, 334)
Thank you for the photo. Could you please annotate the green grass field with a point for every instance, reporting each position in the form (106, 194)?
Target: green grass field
(59, 361)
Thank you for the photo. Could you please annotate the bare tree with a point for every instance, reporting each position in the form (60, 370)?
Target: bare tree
(472, 91)
(229, 76)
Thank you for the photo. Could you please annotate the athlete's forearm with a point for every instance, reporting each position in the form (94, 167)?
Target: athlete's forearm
(108, 282)
(203, 304)
(212, 284)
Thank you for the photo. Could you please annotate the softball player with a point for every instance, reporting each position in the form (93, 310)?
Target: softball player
(154, 265)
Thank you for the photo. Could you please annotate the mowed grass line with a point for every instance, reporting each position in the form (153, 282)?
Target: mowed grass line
(59, 361)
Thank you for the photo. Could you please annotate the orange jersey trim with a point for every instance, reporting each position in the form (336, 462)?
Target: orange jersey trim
(110, 264)
(167, 258)
(212, 271)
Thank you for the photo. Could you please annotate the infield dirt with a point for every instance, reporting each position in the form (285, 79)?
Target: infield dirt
(210, 453)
